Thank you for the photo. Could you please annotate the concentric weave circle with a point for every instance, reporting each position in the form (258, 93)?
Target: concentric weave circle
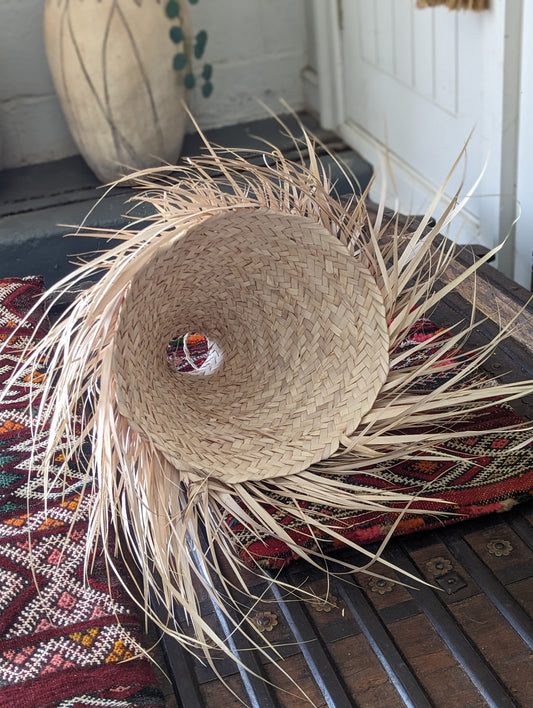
(301, 328)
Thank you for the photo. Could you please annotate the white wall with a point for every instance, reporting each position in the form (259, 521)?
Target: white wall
(258, 50)
(32, 127)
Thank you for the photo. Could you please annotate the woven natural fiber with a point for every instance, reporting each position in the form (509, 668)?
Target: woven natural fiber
(301, 329)
(456, 4)
(306, 302)
(63, 643)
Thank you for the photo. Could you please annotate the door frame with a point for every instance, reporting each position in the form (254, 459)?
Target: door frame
(523, 254)
(505, 24)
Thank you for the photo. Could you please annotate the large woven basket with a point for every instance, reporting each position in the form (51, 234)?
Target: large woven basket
(300, 332)
(305, 303)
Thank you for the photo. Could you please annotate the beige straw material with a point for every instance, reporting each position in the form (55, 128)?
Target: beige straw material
(455, 4)
(306, 301)
(303, 337)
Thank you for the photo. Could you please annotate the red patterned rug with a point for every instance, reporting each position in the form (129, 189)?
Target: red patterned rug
(495, 473)
(73, 644)
(64, 642)
(491, 477)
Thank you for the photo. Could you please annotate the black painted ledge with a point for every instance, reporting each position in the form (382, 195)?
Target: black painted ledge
(41, 204)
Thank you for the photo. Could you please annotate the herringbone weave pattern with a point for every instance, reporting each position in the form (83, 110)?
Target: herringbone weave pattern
(303, 339)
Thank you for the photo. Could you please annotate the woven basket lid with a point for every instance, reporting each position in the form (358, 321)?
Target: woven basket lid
(299, 331)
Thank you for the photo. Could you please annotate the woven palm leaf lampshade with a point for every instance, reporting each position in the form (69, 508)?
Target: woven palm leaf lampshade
(304, 303)
(302, 345)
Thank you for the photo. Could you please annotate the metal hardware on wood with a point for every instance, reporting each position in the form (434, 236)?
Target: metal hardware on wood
(451, 583)
(265, 621)
(499, 547)
(438, 566)
(380, 585)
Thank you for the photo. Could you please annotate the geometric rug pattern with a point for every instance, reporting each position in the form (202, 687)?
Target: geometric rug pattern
(491, 472)
(488, 473)
(66, 640)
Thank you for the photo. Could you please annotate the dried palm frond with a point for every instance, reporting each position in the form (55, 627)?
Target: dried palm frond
(456, 4)
(305, 302)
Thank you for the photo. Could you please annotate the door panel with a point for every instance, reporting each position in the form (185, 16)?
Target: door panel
(411, 80)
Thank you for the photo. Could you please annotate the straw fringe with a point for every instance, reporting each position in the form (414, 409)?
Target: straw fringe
(456, 4)
(165, 513)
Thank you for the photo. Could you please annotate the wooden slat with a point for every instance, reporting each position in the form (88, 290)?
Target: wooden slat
(494, 590)
(523, 529)
(497, 303)
(181, 673)
(498, 643)
(484, 679)
(286, 693)
(254, 680)
(435, 665)
(501, 549)
(363, 675)
(229, 694)
(384, 647)
(317, 658)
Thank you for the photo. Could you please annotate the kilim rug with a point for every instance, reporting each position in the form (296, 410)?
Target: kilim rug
(64, 642)
(495, 473)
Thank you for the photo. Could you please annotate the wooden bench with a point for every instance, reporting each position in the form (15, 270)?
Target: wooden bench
(464, 640)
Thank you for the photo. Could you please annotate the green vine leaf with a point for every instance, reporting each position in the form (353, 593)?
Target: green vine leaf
(172, 9)
(189, 81)
(182, 60)
(176, 34)
(207, 89)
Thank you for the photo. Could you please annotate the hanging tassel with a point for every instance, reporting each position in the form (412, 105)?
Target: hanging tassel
(455, 4)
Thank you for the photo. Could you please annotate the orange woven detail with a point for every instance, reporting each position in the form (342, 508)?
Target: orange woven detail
(410, 525)
(8, 338)
(119, 653)
(86, 638)
(49, 524)
(195, 339)
(35, 377)
(17, 520)
(426, 466)
(10, 425)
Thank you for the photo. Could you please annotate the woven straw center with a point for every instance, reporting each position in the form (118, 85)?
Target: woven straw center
(302, 331)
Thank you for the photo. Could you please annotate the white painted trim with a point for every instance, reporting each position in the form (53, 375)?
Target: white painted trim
(499, 125)
(329, 62)
(409, 192)
(523, 261)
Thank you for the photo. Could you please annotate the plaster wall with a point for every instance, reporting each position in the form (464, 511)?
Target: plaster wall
(258, 51)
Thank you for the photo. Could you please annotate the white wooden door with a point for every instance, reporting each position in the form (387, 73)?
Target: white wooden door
(419, 81)
(403, 83)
